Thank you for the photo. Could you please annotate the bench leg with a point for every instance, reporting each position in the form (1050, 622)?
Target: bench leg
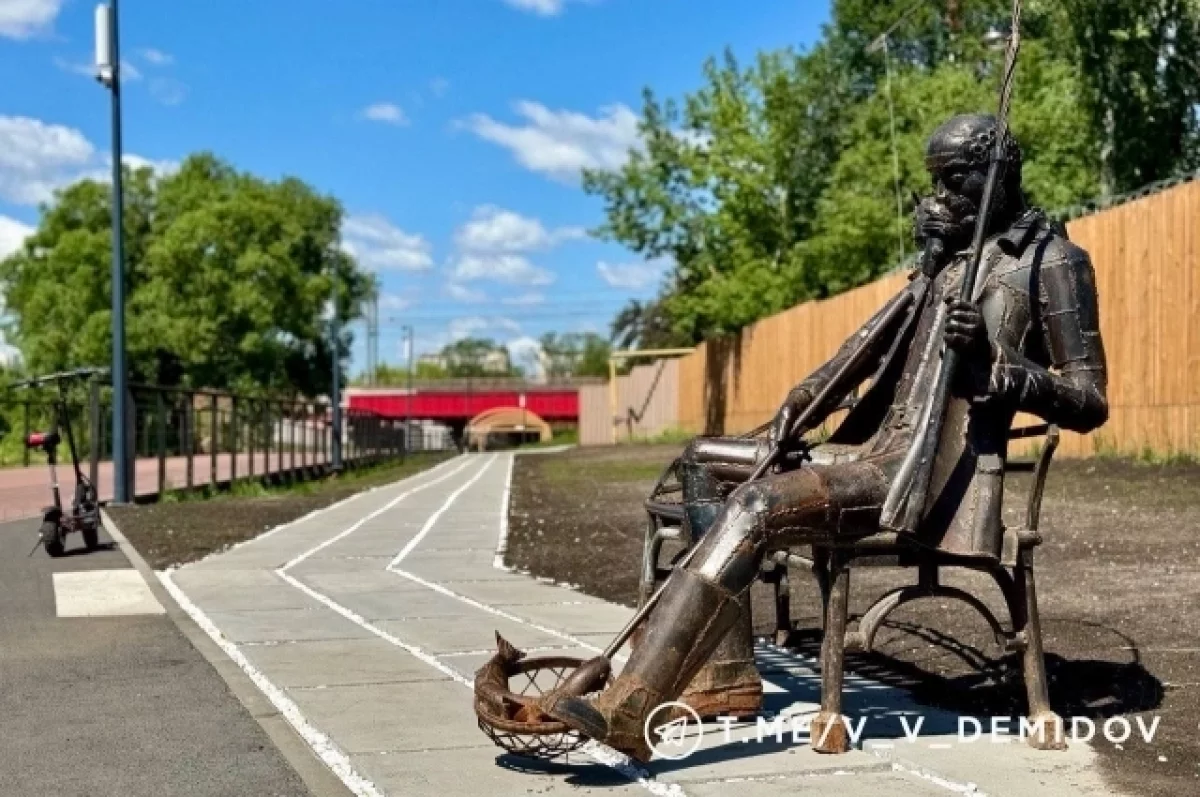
(1048, 731)
(650, 553)
(783, 605)
(828, 730)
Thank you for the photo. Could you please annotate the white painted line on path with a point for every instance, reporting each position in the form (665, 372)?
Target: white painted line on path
(337, 761)
(320, 511)
(359, 524)
(505, 502)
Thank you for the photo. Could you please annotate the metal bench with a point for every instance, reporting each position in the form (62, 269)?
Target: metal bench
(831, 565)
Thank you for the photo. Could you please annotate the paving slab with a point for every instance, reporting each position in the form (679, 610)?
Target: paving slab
(380, 663)
(394, 717)
(840, 783)
(284, 625)
(451, 634)
(485, 771)
(337, 662)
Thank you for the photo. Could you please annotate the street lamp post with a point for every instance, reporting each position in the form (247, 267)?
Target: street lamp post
(408, 399)
(335, 391)
(108, 72)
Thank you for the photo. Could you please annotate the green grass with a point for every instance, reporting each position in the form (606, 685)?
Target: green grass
(255, 487)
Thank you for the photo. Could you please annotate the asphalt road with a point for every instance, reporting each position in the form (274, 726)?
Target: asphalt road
(114, 705)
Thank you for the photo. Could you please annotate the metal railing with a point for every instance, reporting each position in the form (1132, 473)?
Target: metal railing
(187, 439)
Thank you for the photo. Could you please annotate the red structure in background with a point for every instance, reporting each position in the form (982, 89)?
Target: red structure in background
(455, 405)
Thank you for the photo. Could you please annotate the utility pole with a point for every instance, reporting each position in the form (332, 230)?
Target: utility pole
(108, 72)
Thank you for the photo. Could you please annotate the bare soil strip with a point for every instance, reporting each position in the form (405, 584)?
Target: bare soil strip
(1118, 581)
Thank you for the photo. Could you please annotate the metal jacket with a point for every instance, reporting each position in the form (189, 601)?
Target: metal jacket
(1036, 291)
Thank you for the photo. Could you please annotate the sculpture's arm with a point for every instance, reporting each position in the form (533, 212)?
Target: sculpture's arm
(1072, 393)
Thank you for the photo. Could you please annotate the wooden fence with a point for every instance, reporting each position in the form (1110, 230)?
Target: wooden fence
(647, 405)
(1147, 259)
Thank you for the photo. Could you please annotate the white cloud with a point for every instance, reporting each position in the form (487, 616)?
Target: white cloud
(12, 234)
(129, 72)
(439, 86)
(22, 19)
(472, 326)
(36, 158)
(494, 230)
(506, 268)
(386, 112)
(160, 167)
(168, 91)
(525, 299)
(560, 143)
(462, 293)
(378, 244)
(392, 301)
(632, 276)
(527, 352)
(543, 8)
(155, 56)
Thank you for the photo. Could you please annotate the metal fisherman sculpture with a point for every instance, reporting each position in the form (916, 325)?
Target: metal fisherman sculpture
(1026, 338)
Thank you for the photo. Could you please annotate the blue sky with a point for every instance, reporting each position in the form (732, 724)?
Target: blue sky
(451, 130)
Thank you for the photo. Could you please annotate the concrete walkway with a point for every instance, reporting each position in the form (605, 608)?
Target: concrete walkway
(363, 625)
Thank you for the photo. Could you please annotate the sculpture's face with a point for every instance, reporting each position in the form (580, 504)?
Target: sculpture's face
(957, 195)
(958, 158)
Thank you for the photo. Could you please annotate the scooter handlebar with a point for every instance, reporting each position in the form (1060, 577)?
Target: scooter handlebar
(78, 373)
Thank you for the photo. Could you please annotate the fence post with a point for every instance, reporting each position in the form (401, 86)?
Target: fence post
(292, 440)
(25, 436)
(250, 438)
(279, 442)
(213, 446)
(161, 421)
(131, 417)
(324, 440)
(266, 426)
(233, 438)
(189, 443)
(94, 435)
(304, 441)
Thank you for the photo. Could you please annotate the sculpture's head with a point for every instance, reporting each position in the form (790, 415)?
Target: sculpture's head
(958, 156)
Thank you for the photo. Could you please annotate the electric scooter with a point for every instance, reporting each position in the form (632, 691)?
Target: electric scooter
(84, 515)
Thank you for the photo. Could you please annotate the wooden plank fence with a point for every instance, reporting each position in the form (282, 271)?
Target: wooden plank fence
(1147, 259)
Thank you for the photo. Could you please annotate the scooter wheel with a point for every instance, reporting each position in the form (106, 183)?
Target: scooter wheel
(91, 536)
(52, 538)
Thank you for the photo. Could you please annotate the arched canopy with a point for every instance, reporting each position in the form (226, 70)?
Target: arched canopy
(505, 420)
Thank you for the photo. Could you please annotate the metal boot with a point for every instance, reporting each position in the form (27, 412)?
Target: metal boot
(682, 632)
(728, 685)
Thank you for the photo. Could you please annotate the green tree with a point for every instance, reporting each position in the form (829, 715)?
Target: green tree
(228, 279)
(575, 354)
(773, 184)
(855, 229)
(476, 357)
(727, 184)
(1140, 62)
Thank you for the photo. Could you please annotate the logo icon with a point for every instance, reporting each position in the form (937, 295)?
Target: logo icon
(674, 739)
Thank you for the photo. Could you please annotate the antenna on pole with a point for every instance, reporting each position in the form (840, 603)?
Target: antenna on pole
(104, 45)
(882, 43)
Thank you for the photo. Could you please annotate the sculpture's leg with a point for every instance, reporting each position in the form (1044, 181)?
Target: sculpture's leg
(728, 685)
(691, 617)
(829, 733)
(701, 603)
(1048, 731)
